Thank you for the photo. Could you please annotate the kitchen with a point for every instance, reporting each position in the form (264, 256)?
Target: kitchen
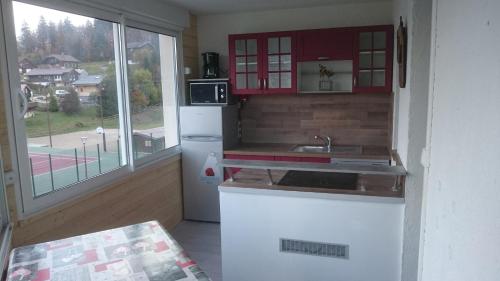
(311, 112)
(253, 140)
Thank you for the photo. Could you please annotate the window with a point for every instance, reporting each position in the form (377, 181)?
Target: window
(62, 142)
(68, 140)
(152, 91)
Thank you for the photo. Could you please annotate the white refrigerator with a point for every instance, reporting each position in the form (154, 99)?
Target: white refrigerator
(205, 132)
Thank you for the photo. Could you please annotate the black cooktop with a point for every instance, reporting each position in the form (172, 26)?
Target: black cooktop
(320, 180)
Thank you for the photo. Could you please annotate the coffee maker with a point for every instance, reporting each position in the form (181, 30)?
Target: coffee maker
(210, 65)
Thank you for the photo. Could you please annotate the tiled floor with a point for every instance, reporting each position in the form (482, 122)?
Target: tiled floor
(202, 242)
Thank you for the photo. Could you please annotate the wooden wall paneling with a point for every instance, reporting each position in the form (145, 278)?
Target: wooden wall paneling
(351, 119)
(4, 134)
(190, 45)
(151, 193)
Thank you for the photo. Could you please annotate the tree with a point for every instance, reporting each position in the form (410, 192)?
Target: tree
(142, 81)
(70, 103)
(27, 39)
(69, 34)
(53, 106)
(102, 41)
(42, 35)
(52, 38)
(108, 99)
(138, 100)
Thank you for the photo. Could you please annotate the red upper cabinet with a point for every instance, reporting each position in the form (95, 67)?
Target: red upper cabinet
(280, 63)
(325, 44)
(245, 58)
(372, 64)
(263, 63)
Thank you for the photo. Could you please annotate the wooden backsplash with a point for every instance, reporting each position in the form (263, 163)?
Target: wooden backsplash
(360, 119)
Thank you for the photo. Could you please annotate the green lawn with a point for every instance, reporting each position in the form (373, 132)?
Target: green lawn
(60, 122)
(87, 119)
(95, 68)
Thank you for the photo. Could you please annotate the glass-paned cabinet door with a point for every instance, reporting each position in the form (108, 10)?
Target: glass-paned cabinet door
(279, 63)
(372, 60)
(246, 64)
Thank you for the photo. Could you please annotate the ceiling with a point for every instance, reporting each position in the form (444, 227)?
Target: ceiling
(204, 7)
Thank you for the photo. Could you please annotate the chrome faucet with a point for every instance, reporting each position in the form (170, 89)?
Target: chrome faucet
(326, 140)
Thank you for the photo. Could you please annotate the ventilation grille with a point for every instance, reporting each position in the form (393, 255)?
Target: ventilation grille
(314, 248)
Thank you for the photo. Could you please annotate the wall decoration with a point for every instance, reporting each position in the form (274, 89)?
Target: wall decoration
(402, 52)
(325, 84)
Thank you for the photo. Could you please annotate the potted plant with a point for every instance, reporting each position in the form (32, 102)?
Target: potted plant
(325, 82)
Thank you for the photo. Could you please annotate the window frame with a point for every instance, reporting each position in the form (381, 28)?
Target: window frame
(5, 221)
(27, 204)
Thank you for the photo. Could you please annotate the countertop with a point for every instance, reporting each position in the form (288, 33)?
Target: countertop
(374, 185)
(273, 149)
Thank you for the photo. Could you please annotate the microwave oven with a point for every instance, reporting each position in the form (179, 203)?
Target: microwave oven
(210, 92)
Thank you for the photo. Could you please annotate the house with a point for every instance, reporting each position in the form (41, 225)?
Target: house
(62, 60)
(88, 87)
(25, 65)
(138, 46)
(52, 76)
(139, 50)
(341, 140)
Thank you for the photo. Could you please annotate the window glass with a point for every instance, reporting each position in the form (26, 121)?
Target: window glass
(67, 74)
(152, 91)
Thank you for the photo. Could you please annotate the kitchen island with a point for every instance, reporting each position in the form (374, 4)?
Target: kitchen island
(309, 233)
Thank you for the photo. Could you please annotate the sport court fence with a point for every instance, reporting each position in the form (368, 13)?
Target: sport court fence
(70, 165)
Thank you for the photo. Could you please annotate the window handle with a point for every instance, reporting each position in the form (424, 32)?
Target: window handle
(24, 104)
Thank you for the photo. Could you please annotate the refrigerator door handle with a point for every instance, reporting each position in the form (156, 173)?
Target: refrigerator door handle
(202, 138)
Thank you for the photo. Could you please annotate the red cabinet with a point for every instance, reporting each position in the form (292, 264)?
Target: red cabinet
(325, 44)
(266, 63)
(245, 59)
(263, 63)
(372, 64)
(315, 160)
(303, 159)
(287, 158)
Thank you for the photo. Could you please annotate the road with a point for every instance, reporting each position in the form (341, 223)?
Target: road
(73, 140)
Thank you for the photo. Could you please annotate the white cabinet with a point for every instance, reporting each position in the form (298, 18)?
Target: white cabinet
(254, 220)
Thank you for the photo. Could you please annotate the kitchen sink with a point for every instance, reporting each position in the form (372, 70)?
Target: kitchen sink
(350, 149)
(310, 148)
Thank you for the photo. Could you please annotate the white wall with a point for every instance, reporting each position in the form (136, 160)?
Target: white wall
(402, 95)
(411, 106)
(214, 29)
(462, 194)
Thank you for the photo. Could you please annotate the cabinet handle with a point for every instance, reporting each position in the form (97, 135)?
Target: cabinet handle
(323, 58)
(259, 84)
(355, 81)
(265, 83)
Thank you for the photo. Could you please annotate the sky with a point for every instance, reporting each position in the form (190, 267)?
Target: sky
(31, 15)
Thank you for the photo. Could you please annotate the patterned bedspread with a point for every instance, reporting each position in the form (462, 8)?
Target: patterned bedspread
(137, 252)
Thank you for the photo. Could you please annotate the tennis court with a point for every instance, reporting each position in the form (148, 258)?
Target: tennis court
(43, 162)
(55, 168)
